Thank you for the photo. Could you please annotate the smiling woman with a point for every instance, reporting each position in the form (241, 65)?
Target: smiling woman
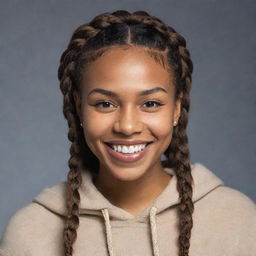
(126, 80)
(128, 77)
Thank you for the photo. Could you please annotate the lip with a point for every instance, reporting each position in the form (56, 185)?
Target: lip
(127, 142)
(133, 157)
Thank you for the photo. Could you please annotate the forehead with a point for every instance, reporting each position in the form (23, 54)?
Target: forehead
(129, 69)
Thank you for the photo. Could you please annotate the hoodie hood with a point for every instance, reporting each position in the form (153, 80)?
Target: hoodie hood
(92, 202)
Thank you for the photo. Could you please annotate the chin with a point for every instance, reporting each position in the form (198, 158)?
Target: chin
(127, 174)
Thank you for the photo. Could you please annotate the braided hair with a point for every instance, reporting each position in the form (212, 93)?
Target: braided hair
(163, 44)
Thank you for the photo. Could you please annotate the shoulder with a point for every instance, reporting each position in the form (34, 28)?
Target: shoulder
(232, 214)
(232, 199)
(227, 201)
(242, 212)
(238, 208)
(23, 229)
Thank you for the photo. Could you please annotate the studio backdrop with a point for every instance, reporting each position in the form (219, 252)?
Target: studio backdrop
(34, 148)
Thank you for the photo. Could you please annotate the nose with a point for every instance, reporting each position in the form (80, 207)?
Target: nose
(128, 122)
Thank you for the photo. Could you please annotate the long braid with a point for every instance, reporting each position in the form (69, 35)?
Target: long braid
(74, 175)
(66, 76)
(81, 155)
(179, 158)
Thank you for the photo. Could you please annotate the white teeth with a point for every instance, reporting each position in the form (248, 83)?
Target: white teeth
(128, 149)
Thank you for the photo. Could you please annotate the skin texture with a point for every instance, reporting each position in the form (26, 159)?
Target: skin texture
(130, 186)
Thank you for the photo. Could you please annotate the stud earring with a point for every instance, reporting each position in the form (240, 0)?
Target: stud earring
(175, 123)
(81, 124)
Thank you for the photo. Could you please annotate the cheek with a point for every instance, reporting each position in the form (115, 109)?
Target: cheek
(160, 125)
(95, 128)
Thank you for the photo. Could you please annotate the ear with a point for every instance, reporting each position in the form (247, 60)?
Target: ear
(77, 99)
(178, 107)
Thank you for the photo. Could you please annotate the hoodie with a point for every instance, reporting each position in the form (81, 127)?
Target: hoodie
(224, 222)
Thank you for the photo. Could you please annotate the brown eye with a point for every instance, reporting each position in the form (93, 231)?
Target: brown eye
(158, 104)
(103, 103)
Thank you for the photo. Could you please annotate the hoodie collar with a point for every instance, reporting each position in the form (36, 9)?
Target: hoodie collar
(92, 201)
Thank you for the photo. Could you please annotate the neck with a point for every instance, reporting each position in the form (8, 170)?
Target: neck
(133, 196)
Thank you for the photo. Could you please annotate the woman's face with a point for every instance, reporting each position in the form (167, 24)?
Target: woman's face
(118, 103)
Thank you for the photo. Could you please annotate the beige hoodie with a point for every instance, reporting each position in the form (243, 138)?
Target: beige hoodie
(224, 223)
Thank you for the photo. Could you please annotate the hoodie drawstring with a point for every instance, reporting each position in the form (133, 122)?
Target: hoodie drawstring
(108, 231)
(152, 218)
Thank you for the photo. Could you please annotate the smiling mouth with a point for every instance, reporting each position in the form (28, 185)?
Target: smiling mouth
(127, 156)
(111, 145)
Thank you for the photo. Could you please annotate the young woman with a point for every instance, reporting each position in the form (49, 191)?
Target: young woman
(126, 80)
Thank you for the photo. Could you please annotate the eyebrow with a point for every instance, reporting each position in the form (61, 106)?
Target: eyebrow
(113, 94)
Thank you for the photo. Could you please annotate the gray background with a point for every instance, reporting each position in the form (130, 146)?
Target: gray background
(34, 148)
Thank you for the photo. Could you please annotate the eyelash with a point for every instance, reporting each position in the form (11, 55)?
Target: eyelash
(159, 104)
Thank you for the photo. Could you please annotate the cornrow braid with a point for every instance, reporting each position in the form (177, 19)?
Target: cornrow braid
(163, 44)
(179, 156)
(74, 176)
